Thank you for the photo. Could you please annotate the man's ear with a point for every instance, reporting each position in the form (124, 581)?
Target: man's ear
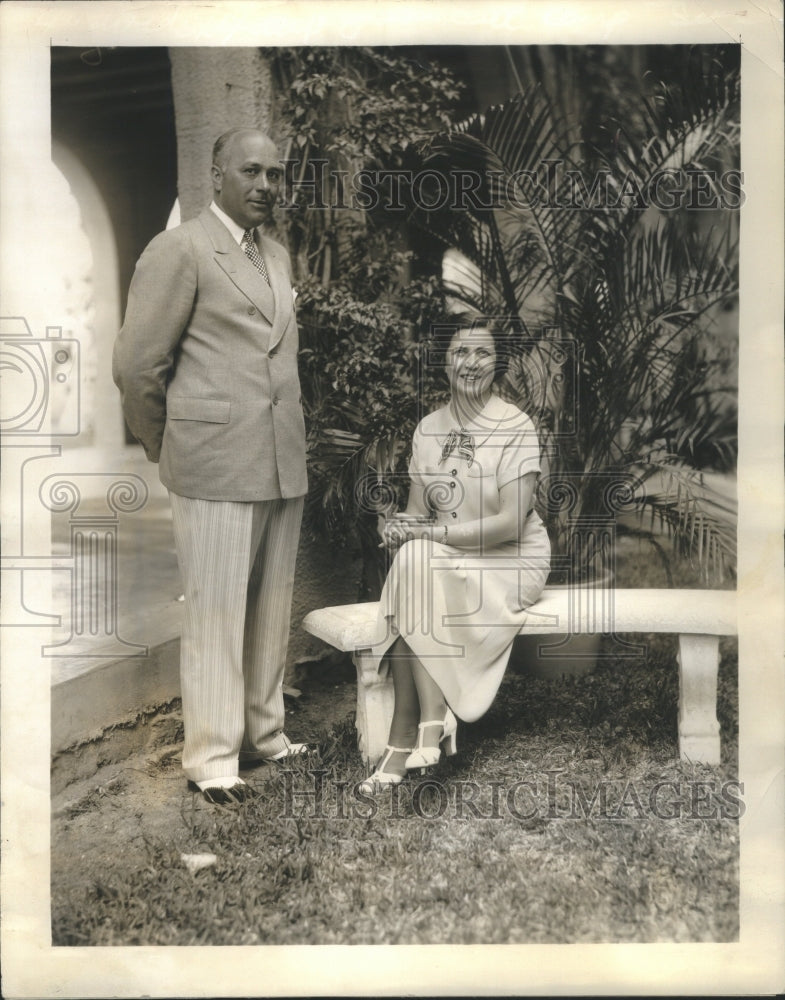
(216, 174)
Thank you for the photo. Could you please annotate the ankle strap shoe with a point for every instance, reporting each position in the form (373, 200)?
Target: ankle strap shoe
(381, 779)
(424, 757)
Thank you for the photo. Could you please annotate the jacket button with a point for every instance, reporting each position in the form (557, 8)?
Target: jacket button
(454, 514)
(453, 472)
(276, 401)
(452, 485)
(251, 310)
(271, 354)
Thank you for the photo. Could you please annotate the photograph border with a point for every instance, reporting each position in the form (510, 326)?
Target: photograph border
(31, 966)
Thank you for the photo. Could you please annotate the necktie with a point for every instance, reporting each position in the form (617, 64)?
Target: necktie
(252, 253)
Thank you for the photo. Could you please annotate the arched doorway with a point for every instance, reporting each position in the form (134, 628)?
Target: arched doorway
(102, 424)
(113, 138)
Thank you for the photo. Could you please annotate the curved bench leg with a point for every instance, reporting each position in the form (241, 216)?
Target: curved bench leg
(699, 730)
(375, 701)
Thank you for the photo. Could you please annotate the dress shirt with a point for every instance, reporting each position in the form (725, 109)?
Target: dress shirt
(237, 231)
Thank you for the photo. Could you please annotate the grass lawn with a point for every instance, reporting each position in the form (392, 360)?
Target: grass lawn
(566, 816)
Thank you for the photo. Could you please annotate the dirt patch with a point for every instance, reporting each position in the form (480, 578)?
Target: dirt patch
(111, 796)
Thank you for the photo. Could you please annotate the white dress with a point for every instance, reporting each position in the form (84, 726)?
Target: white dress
(460, 610)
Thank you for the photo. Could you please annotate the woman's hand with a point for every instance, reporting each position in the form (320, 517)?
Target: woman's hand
(400, 529)
(515, 501)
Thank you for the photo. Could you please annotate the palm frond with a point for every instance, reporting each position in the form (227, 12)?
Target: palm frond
(686, 126)
(700, 518)
(508, 150)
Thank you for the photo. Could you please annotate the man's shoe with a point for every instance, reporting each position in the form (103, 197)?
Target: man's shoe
(289, 751)
(223, 791)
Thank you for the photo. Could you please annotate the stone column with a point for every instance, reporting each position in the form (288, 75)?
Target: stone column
(215, 89)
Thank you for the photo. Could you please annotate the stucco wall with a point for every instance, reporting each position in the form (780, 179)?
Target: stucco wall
(214, 89)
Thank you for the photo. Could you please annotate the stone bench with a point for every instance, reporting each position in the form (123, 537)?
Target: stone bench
(698, 617)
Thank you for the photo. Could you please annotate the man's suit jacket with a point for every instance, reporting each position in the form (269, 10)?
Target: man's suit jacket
(206, 363)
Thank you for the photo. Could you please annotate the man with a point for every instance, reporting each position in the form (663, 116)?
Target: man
(206, 363)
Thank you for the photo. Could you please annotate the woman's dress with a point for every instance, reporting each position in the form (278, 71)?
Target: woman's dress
(460, 610)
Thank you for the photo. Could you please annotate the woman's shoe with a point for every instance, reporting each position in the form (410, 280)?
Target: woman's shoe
(423, 757)
(381, 779)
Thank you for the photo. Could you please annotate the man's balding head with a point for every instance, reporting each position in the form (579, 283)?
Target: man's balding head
(223, 143)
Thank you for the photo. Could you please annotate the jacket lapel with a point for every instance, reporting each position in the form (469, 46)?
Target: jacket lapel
(238, 268)
(281, 286)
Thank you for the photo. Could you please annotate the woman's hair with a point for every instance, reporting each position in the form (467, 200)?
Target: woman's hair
(505, 330)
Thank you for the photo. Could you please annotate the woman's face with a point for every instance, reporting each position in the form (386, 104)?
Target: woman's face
(471, 362)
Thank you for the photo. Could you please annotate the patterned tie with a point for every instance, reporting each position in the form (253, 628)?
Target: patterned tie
(252, 253)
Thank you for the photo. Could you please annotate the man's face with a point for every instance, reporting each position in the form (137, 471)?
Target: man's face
(246, 181)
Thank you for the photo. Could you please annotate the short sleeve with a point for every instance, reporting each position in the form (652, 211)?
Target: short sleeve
(520, 453)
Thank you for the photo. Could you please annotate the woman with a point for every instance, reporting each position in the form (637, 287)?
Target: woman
(472, 554)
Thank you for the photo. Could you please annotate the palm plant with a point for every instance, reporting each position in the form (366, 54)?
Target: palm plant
(614, 297)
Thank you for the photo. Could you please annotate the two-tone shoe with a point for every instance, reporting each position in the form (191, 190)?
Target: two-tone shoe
(253, 759)
(226, 791)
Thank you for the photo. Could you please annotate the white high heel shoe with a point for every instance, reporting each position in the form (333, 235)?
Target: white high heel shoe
(423, 757)
(381, 779)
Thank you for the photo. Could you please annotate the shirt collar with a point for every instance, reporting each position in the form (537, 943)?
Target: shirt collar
(491, 413)
(480, 428)
(236, 231)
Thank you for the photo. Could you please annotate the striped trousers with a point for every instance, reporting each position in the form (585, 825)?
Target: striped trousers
(237, 563)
